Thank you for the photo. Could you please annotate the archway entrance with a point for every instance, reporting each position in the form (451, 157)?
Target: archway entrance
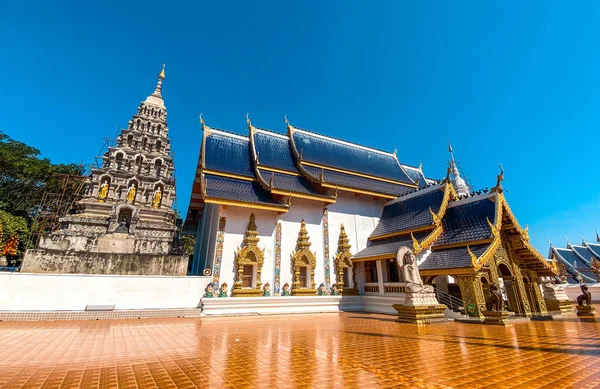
(508, 288)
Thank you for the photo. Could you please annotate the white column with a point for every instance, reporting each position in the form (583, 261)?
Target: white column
(380, 277)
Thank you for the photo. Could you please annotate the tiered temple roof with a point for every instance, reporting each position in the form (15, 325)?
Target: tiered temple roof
(462, 231)
(266, 170)
(578, 261)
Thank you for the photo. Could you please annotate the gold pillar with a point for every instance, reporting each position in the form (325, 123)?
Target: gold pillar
(472, 292)
(521, 294)
(537, 293)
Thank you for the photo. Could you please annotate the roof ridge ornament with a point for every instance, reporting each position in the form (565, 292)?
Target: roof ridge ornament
(287, 123)
(567, 240)
(248, 121)
(498, 188)
(474, 258)
(550, 243)
(597, 237)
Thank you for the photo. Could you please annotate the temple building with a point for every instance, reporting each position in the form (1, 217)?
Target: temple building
(301, 213)
(579, 263)
(125, 222)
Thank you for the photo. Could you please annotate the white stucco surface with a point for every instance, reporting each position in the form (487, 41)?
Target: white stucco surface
(66, 292)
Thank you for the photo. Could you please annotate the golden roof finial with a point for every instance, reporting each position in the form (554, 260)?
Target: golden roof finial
(287, 123)
(201, 120)
(162, 72)
(474, 258)
(499, 179)
(395, 152)
(248, 120)
(421, 166)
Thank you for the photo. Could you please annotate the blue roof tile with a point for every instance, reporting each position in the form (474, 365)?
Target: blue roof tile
(237, 190)
(453, 258)
(573, 264)
(286, 182)
(357, 182)
(572, 259)
(228, 154)
(404, 215)
(416, 175)
(274, 151)
(584, 252)
(387, 246)
(467, 222)
(341, 155)
(595, 248)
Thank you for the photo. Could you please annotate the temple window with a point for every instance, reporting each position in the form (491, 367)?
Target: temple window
(158, 129)
(144, 144)
(248, 263)
(158, 144)
(137, 124)
(371, 271)
(343, 265)
(303, 265)
(119, 161)
(158, 167)
(129, 140)
(138, 162)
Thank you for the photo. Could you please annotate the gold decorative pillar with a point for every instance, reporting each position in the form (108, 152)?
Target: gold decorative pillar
(521, 294)
(537, 293)
(472, 292)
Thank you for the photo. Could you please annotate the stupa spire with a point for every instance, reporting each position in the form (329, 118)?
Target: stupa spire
(156, 97)
(462, 189)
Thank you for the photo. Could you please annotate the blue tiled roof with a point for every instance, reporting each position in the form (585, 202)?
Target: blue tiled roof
(286, 182)
(584, 252)
(467, 222)
(572, 259)
(453, 258)
(404, 215)
(274, 151)
(340, 155)
(387, 246)
(237, 190)
(595, 249)
(416, 175)
(352, 181)
(228, 154)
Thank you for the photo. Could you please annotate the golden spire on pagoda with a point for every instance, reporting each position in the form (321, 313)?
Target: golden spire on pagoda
(303, 238)
(343, 241)
(161, 75)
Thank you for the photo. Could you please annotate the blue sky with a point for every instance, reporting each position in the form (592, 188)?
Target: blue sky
(508, 82)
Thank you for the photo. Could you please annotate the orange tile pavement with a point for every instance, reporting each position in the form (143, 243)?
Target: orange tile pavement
(348, 350)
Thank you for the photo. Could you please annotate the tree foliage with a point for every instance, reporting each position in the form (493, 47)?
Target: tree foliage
(189, 241)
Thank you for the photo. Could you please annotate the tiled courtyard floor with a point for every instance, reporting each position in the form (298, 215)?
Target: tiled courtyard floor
(348, 350)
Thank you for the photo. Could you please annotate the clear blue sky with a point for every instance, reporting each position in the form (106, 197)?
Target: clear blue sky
(511, 82)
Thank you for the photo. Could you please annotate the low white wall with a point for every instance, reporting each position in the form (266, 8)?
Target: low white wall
(69, 292)
(575, 290)
(279, 305)
(381, 304)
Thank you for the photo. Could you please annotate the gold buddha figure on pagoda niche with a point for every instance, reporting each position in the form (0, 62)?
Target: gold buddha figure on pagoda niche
(103, 192)
(156, 198)
(131, 193)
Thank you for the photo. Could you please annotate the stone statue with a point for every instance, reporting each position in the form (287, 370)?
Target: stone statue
(321, 291)
(408, 265)
(131, 193)
(285, 290)
(103, 192)
(267, 289)
(209, 290)
(223, 292)
(585, 297)
(334, 290)
(156, 198)
(495, 302)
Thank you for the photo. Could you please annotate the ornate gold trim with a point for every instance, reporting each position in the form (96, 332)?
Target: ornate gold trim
(249, 254)
(334, 169)
(304, 196)
(449, 272)
(228, 175)
(210, 200)
(277, 170)
(303, 257)
(462, 244)
(343, 259)
(403, 233)
(354, 190)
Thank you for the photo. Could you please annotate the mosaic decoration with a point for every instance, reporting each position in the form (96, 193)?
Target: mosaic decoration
(277, 283)
(326, 247)
(219, 253)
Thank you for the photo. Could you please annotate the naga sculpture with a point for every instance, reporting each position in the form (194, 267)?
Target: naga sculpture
(585, 297)
(495, 302)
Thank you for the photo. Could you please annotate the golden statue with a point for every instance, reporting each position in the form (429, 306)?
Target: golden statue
(131, 193)
(156, 199)
(103, 192)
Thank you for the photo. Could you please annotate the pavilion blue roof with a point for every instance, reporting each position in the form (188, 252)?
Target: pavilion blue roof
(274, 151)
(358, 182)
(587, 255)
(452, 258)
(224, 188)
(386, 247)
(342, 155)
(594, 248)
(416, 175)
(573, 265)
(228, 154)
(467, 222)
(410, 213)
(289, 183)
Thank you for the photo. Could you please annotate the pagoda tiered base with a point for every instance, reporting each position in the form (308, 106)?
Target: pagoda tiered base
(562, 306)
(587, 313)
(420, 314)
(496, 318)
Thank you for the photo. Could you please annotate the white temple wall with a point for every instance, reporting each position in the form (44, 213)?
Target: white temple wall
(312, 213)
(235, 228)
(360, 215)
